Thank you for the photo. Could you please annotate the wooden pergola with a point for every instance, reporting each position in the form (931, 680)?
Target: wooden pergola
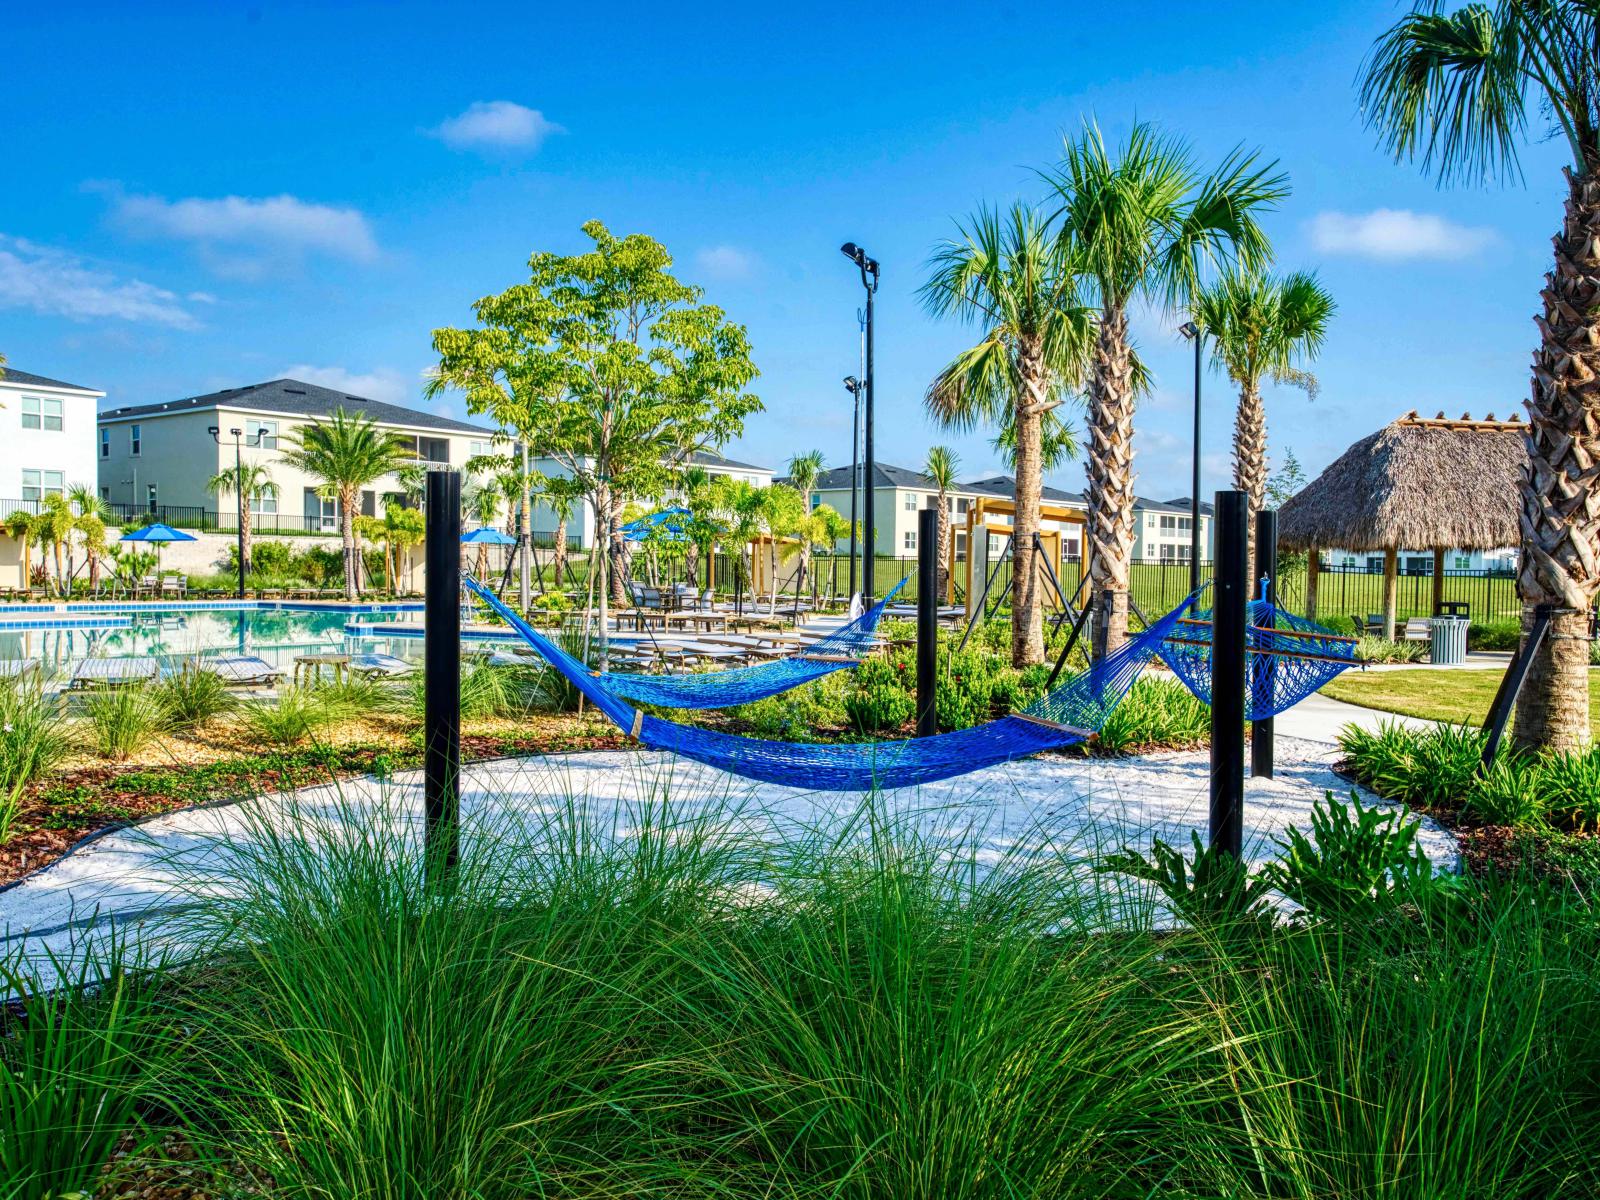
(978, 526)
(1417, 484)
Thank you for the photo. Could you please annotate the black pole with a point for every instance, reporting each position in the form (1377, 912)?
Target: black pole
(442, 671)
(1230, 591)
(1265, 577)
(1194, 482)
(869, 495)
(927, 621)
(1505, 697)
(855, 476)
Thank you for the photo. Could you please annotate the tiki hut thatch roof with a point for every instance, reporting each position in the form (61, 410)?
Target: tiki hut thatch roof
(1416, 484)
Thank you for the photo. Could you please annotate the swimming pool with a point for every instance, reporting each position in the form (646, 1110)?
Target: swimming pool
(61, 635)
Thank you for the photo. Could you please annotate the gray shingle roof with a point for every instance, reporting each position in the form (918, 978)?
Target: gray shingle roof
(709, 458)
(12, 375)
(886, 476)
(294, 398)
(1006, 485)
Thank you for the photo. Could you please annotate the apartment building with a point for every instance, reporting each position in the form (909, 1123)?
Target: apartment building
(47, 447)
(897, 495)
(161, 456)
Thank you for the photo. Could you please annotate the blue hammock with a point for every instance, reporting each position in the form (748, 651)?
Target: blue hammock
(838, 651)
(1286, 657)
(1068, 715)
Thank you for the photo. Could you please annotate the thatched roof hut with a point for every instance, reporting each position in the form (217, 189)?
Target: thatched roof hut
(1417, 484)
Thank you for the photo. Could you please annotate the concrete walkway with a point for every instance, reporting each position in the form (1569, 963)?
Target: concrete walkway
(139, 881)
(1319, 718)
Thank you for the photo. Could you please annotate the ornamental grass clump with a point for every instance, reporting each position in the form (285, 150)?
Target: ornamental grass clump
(192, 696)
(33, 739)
(124, 719)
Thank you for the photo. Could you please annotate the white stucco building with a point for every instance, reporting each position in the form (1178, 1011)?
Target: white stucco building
(47, 439)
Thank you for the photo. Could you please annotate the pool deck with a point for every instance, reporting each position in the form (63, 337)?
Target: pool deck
(138, 880)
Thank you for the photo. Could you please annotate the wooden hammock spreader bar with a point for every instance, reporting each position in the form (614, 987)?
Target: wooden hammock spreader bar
(1299, 633)
(1354, 662)
(1085, 734)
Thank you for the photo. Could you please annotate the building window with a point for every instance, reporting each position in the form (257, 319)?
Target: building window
(911, 502)
(479, 449)
(816, 499)
(150, 494)
(262, 505)
(911, 539)
(930, 502)
(961, 505)
(135, 440)
(42, 412)
(105, 494)
(961, 544)
(265, 431)
(1463, 562)
(38, 484)
(105, 442)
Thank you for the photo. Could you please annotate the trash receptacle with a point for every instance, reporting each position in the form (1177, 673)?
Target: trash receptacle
(1449, 640)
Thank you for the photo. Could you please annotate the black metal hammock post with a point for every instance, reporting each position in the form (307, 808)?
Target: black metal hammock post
(441, 724)
(1231, 593)
(1505, 697)
(927, 621)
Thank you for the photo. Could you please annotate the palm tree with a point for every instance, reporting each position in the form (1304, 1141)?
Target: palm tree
(1058, 442)
(1261, 328)
(19, 525)
(251, 482)
(803, 472)
(483, 502)
(941, 468)
(93, 514)
(694, 486)
(346, 452)
(1456, 89)
(1141, 223)
(53, 527)
(1007, 275)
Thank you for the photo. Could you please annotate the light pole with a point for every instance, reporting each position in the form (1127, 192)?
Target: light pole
(1192, 331)
(855, 387)
(869, 281)
(238, 486)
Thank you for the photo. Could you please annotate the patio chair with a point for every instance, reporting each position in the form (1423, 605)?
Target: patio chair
(114, 672)
(1418, 629)
(241, 670)
(381, 666)
(17, 668)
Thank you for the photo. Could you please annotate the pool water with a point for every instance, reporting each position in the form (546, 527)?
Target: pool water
(276, 635)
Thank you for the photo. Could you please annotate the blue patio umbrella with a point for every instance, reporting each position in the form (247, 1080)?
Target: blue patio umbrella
(484, 536)
(669, 520)
(159, 534)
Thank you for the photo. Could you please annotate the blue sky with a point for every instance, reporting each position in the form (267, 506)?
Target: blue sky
(201, 195)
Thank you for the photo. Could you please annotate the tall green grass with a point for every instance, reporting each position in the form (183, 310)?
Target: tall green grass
(33, 739)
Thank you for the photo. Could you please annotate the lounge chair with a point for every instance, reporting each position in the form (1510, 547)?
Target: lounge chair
(1418, 629)
(174, 585)
(381, 666)
(241, 670)
(114, 672)
(17, 668)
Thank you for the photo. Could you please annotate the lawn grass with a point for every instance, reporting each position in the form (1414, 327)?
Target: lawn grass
(1453, 696)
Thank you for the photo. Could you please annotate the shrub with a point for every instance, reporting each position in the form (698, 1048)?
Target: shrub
(1155, 712)
(878, 707)
(354, 696)
(1342, 625)
(122, 719)
(1429, 768)
(1380, 650)
(486, 691)
(1503, 633)
(1568, 787)
(1356, 861)
(1216, 890)
(191, 696)
(289, 719)
(1508, 793)
(33, 739)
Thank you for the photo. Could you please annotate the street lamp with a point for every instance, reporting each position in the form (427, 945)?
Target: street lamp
(238, 484)
(869, 268)
(1193, 332)
(855, 387)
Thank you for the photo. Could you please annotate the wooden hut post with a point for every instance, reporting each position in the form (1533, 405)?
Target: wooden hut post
(1438, 581)
(1313, 572)
(1391, 589)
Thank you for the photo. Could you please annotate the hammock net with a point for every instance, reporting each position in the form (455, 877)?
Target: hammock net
(838, 651)
(1069, 714)
(1286, 657)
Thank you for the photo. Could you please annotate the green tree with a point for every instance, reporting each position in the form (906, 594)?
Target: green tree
(694, 493)
(609, 365)
(19, 526)
(251, 483)
(1261, 328)
(1007, 275)
(53, 528)
(1456, 89)
(346, 452)
(1058, 443)
(803, 472)
(941, 467)
(483, 502)
(1141, 223)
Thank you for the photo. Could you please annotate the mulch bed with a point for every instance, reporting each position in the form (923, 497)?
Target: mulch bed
(60, 811)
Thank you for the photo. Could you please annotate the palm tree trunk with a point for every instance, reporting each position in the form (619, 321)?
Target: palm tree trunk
(560, 556)
(347, 531)
(944, 575)
(1110, 527)
(691, 564)
(244, 534)
(1250, 458)
(1560, 560)
(1027, 615)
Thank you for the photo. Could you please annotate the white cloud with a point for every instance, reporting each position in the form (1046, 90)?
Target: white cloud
(60, 284)
(1394, 234)
(496, 125)
(727, 264)
(246, 237)
(382, 384)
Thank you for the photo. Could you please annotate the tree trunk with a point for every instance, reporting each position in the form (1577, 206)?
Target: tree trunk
(1560, 560)
(1391, 587)
(1313, 574)
(691, 564)
(1250, 459)
(945, 573)
(561, 553)
(1110, 525)
(245, 533)
(347, 532)
(1438, 582)
(1027, 614)
(483, 563)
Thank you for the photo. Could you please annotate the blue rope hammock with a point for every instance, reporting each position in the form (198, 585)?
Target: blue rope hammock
(838, 651)
(1287, 657)
(1068, 715)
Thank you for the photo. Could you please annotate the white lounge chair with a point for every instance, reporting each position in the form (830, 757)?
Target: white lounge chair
(114, 672)
(241, 670)
(18, 668)
(381, 666)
